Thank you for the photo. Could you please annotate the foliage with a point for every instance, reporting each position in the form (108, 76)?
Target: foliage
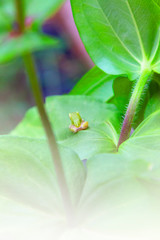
(95, 83)
(105, 181)
(117, 35)
(14, 44)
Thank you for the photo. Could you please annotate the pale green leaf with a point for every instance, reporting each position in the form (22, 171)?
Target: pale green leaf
(58, 109)
(100, 137)
(121, 194)
(145, 141)
(28, 175)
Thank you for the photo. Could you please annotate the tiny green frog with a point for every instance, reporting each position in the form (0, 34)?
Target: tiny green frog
(77, 123)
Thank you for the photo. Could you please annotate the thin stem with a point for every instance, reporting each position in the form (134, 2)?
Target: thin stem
(30, 66)
(134, 101)
(32, 74)
(20, 15)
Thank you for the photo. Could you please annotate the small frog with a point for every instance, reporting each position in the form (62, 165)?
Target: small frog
(77, 123)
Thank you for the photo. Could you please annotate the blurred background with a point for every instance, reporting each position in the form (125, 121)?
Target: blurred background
(58, 68)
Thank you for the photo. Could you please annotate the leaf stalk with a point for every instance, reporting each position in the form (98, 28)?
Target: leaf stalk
(134, 101)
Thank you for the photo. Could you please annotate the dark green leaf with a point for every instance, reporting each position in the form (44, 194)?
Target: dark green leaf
(122, 90)
(153, 104)
(122, 87)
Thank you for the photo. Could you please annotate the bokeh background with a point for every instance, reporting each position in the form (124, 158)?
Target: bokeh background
(58, 69)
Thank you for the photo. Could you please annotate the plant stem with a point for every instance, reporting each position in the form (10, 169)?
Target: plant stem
(20, 15)
(131, 110)
(32, 74)
(30, 66)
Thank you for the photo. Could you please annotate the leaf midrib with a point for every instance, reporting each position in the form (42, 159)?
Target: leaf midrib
(128, 62)
(137, 31)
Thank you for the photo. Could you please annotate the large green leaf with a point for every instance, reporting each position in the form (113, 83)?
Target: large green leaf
(29, 194)
(95, 83)
(27, 173)
(117, 194)
(121, 36)
(121, 194)
(122, 190)
(11, 47)
(58, 109)
(86, 144)
(103, 119)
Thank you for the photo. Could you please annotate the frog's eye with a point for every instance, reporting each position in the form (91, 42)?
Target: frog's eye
(70, 115)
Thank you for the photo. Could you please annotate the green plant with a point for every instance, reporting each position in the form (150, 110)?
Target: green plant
(112, 168)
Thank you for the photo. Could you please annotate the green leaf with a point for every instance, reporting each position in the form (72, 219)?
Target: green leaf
(122, 190)
(121, 36)
(28, 176)
(34, 9)
(153, 104)
(30, 200)
(145, 141)
(150, 126)
(157, 2)
(40, 11)
(5, 21)
(95, 83)
(122, 90)
(11, 47)
(58, 109)
(103, 119)
(121, 194)
(102, 139)
(154, 97)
